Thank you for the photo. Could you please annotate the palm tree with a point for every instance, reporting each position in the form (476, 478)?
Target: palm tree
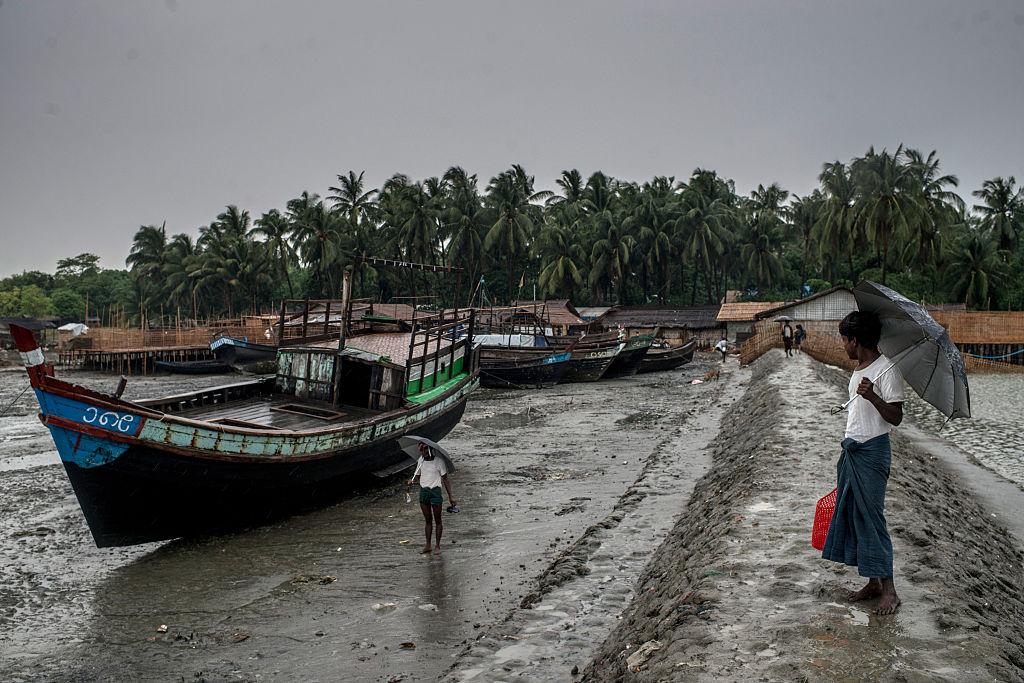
(836, 229)
(319, 239)
(276, 231)
(146, 262)
(1002, 210)
(702, 229)
(940, 207)
(609, 261)
(508, 215)
(177, 269)
(350, 199)
(975, 269)
(887, 201)
(571, 183)
(559, 274)
(462, 219)
(806, 214)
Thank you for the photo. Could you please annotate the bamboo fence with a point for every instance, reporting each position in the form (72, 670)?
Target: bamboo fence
(998, 335)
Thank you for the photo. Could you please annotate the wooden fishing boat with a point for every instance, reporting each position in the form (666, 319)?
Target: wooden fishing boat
(507, 368)
(656, 360)
(192, 367)
(235, 350)
(589, 364)
(628, 360)
(250, 452)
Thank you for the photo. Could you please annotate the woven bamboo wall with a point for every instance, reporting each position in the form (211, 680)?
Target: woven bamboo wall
(823, 342)
(983, 327)
(119, 339)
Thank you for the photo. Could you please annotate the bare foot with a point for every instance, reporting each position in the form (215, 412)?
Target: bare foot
(437, 549)
(426, 549)
(872, 589)
(889, 603)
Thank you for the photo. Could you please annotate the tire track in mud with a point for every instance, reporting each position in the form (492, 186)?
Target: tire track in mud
(577, 600)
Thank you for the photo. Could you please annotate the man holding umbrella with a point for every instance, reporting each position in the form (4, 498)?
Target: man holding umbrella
(431, 474)
(921, 354)
(858, 534)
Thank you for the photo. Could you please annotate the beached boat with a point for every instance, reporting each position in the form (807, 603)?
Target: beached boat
(246, 453)
(508, 368)
(192, 367)
(656, 360)
(234, 350)
(628, 360)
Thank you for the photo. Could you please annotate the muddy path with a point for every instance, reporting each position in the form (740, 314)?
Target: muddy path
(737, 593)
(332, 594)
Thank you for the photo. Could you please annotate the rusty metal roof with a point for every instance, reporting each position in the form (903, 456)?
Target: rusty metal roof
(694, 317)
(555, 311)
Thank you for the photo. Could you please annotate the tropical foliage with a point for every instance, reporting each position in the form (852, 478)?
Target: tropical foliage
(894, 216)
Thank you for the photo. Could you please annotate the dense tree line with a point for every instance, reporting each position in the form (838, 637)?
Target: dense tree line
(894, 217)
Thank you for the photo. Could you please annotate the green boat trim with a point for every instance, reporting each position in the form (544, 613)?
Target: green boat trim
(438, 390)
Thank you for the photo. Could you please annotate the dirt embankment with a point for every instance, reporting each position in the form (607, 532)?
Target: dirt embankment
(736, 592)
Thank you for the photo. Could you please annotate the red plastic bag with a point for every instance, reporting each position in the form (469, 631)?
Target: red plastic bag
(822, 519)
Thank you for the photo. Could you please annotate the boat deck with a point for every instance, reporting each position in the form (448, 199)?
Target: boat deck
(277, 412)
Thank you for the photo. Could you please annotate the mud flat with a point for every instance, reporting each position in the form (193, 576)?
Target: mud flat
(737, 593)
(334, 594)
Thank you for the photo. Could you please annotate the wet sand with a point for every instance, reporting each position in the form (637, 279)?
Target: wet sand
(737, 593)
(644, 514)
(334, 594)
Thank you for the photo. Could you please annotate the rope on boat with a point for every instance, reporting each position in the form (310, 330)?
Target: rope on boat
(1005, 355)
(511, 384)
(17, 398)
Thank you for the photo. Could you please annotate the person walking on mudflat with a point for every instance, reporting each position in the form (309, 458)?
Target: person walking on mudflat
(858, 535)
(432, 475)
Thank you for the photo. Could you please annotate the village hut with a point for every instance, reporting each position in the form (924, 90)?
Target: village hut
(738, 318)
(676, 325)
(560, 315)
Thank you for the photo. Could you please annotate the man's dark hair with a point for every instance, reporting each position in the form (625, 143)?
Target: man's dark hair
(865, 327)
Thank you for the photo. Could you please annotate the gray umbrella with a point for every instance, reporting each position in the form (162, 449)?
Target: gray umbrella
(411, 445)
(920, 347)
(783, 319)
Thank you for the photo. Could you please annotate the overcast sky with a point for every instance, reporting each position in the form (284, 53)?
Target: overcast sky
(117, 114)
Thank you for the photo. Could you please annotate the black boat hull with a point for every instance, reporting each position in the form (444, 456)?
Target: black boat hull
(234, 354)
(626, 363)
(150, 494)
(531, 375)
(586, 367)
(670, 361)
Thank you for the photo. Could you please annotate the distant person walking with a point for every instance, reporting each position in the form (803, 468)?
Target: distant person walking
(722, 347)
(432, 474)
(787, 338)
(798, 336)
(858, 535)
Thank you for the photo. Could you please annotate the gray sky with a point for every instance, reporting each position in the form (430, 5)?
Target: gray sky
(116, 114)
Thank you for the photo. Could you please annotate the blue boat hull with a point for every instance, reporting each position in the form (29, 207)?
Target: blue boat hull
(138, 493)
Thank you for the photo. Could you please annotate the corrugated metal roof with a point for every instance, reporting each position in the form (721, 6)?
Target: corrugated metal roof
(694, 318)
(746, 310)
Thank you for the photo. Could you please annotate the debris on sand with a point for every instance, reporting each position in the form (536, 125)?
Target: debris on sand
(162, 628)
(407, 645)
(384, 606)
(635, 661)
(323, 580)
(428, 607)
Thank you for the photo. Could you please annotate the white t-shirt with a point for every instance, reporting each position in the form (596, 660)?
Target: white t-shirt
(864, 421)
(430, 472)
(722, 345)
